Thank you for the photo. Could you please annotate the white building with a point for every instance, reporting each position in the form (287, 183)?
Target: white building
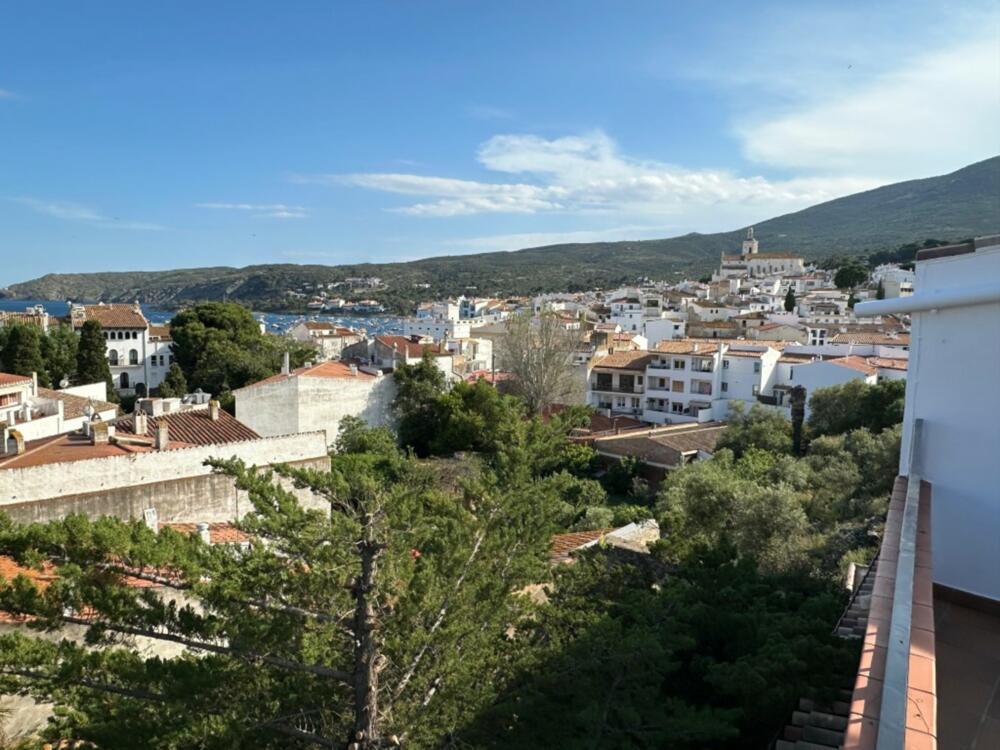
(314, 398)
(28, 412)
(952, 405)
(751, 263)
(139, 361)
(328, 338)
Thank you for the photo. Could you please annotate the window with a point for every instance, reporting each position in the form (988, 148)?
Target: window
(679, 364)
(123, 380)
(755, 390)
(603, 382)
(725, 387)
(725, 364)
(677, 386)
(113, 358)
(756, 366)
(133, 357)
(676, 408)
(791, 373)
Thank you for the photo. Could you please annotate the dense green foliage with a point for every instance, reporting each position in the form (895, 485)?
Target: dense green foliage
(851, 274)
(962, 204)
(174, 385)
(219, 348)
(410, 599)
(59, 350)
(91, 358)
(22, 353)
(789, 300)
(856, 404)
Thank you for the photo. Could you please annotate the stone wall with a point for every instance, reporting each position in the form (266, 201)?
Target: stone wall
(175, 482)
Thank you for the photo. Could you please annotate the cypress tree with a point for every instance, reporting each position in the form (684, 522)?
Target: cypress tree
(91, 358)
(789, 300)
(22, 354)
(174, 385)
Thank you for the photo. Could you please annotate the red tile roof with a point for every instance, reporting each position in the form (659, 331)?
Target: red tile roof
(322, 370)
(888, 363)
(411, 349)
(161, 333)
(7, 378)
(195, 427)
(860, 364)
(632, 360)
(899, 339)
(218, 533)
(115, 315)
(563, 545)
(687, 346)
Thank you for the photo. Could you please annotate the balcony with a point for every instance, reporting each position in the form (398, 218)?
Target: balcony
(605, 388)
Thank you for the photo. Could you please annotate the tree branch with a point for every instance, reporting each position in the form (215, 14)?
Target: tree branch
(84, 682)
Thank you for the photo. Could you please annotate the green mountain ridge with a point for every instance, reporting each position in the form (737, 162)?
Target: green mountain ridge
(962, 204)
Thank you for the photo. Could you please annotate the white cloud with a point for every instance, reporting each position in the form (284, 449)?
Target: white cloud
(932, 114)
(588, 174)
(69, 211)
(264, 210)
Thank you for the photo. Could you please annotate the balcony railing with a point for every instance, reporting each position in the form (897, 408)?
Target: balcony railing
(635, 390)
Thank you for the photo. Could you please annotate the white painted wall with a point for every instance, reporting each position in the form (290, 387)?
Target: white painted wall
(58, 479)
(953, 386)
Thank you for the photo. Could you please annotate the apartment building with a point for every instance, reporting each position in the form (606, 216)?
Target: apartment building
(139, 360)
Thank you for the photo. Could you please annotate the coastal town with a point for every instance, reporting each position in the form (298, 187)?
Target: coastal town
(522, 376)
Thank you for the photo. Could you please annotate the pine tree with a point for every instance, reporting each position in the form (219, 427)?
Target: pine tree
(91, 358)
(174, 385)
(382, 619)
(22, 353)
(789, 300)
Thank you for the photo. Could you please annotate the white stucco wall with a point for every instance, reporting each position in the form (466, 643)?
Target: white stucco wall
(952, 386)
(59, 479)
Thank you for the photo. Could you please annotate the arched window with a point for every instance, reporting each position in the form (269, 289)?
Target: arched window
(113, 358)
(133, 357)
(123, 380)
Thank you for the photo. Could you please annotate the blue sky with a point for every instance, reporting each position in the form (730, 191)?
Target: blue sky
(193, 134)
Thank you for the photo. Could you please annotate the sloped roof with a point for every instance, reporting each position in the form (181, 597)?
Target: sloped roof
(195, 427)
(7, 378)
(859, 364)
(411, 349)
(222, 532)
(663, 448)
(115, 315)
(631, 360)
(687, 346)
(159, 332)
(888, 363)
(563, 545)
(322, 370)
(73, 405)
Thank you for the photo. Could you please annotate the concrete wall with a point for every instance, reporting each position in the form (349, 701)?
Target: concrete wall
(324, 402)
(953, 387)
(103, 475)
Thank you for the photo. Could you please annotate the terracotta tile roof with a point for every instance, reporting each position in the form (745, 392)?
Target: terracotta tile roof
(115, 315)
(889, 363)
(860, 364)
(632, 360)
(73, 405)
(687, 346)
(411, 349)
(322, 370)
(161, 333)
(563, 545)
(772, 326)
(66, 448)
(663, 448)
(218, 533)
(7, 378)
(195, 427)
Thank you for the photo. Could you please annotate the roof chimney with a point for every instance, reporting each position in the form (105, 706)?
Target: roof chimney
(162, 435)
(99, 433)
(213, 410)
(354, 369)
(139, 422)
(286, 367)
(204, 534)
(15, 442)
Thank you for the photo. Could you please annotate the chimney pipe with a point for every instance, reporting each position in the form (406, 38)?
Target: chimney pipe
(140, 423)
(286, 367)
(99, 433)
(162, 435)
(213, 410)
(204, 534)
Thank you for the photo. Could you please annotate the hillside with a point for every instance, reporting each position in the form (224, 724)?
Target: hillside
(962, 204)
